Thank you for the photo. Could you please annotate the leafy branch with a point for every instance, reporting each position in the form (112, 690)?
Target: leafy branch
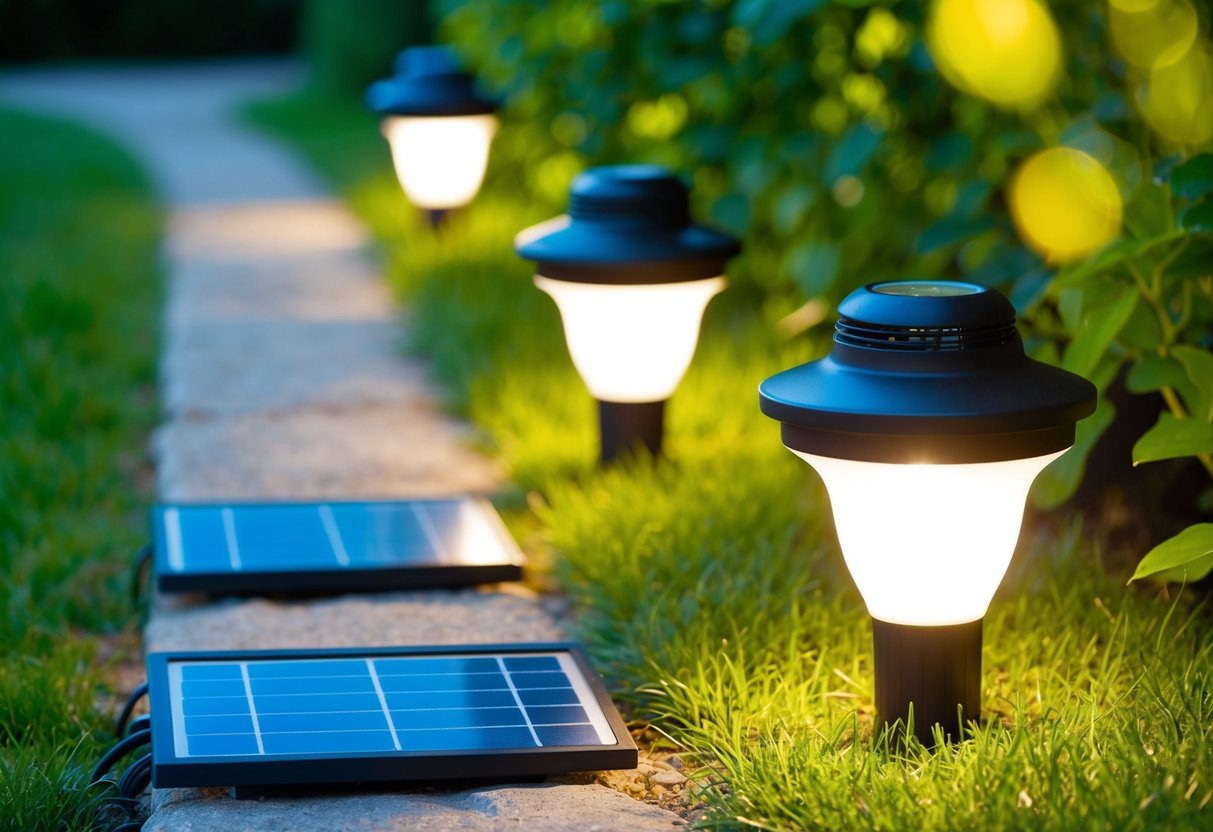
(1166, 345)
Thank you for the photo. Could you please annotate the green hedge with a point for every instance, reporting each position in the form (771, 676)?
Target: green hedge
(821, 131)
(350, 43)
(825, 134)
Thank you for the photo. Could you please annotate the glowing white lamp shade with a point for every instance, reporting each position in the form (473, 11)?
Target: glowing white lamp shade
(927, 424)
(944, 536)
(440, 160)
(631, 343)
(439, 127)
(631, 275)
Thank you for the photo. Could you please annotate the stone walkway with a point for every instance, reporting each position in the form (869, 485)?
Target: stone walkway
(282, 376)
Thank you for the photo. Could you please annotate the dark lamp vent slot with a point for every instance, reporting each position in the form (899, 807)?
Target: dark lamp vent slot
(663, 209)
(922, 339)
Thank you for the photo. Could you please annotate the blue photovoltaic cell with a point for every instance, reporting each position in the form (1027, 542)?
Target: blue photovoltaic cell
(352, 705)
(303, 537)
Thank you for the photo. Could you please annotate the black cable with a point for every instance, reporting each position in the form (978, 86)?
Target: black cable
(139, 723)
(142, 558)
(127, 806)
(136, 778)
(129, 708)
(125, 746)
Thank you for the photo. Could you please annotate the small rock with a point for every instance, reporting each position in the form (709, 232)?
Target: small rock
(669, 778)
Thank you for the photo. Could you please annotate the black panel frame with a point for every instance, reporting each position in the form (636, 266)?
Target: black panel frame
(336, 580)
(252, 773)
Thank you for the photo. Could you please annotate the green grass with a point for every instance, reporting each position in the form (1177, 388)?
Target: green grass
(710, 588)
(79, 308)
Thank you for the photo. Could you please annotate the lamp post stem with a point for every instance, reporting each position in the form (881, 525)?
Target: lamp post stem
(936, 669)
(625, 427)
(437, 217)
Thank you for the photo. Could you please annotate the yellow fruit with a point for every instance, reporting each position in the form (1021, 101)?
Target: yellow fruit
(1065, 204)
(1177, 102)
(1006, 51)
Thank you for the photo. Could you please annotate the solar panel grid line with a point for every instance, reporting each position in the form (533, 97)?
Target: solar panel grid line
(427, 526)
(329, 547)
(261, 702)
(172, 533)
(334, 535)
(252, 706)
(519, 712)
(514, 691)
(387, 714)
(229, 531)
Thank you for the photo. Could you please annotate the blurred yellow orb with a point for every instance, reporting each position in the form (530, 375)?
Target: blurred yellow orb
(1154, 35)
(1134, 5)
(1006, 51)
(1065, 204)
(1177, 101)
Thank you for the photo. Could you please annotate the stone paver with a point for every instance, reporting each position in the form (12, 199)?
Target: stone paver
(533, 808)
(370, 621)
(283, 377)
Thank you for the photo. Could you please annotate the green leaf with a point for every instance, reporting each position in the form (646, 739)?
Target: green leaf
(1111, 257)
(1151, 373)
(1171, 438)
(1069, 307)
(851, 153)
(948, 151)
(733, 212)
(1186, 557)
(1098, 325)
(1018, 142)
(1141, 331)
(791, 205)
(769, 20)
(971, 198)
(1198, 364)
(1031, 284)
(949, 231)
(1199, 217)
(1147, 211)
(1161, 174)
(812, 265)
(1057, 483)
(1194, 177)
(1111, 106)
(1195, 261)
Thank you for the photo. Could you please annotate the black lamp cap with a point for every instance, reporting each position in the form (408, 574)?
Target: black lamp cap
(627, 225)
(927, 371)
(428, 81)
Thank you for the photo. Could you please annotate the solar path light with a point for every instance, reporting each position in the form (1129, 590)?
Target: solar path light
(632, 276)
(928, 425)
(439, 128)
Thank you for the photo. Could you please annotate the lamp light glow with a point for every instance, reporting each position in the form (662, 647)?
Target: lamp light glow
(439, 128)
(440, 162)
(927, 424)
(944, 537)
(631, 276)
(631, 343)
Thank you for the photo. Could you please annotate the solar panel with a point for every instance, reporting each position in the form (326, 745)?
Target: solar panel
(330, 546)
(312, 717)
